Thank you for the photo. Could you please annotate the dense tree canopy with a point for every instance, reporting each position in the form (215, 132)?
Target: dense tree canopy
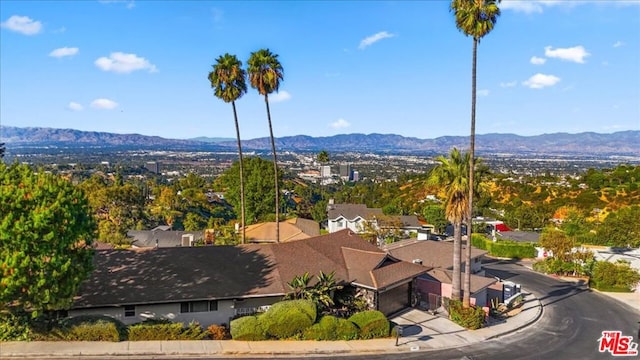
(258, 183)
(46, 230)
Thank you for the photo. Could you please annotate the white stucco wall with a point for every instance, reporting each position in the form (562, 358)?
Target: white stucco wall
(227, 309)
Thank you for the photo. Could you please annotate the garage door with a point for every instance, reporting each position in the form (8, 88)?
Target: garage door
(394, 300)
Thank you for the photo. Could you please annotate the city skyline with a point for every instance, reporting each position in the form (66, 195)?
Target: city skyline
(349, 67)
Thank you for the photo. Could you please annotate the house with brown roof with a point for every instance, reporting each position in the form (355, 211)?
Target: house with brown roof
(290, 230)
(212, 284)
(438, 256)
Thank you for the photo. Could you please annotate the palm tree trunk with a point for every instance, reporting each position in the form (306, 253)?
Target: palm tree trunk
(466, 301)
(457, 249)
(242, 223)
(275, 169)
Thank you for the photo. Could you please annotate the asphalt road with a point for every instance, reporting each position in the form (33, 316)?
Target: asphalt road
(572, 322)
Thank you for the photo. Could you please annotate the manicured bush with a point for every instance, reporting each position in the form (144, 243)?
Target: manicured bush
(504, 248)
(371, 324)
(331, 328)
(287, 319)
(218, 332)
(471, 318)
(89, 328)
(162, 330)
(248, 328)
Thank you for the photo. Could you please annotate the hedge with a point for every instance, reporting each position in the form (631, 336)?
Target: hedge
(372, 324)
(248, 328)
(331, 328)
(286, 319)
(156, 330)
(504, 248)
(89, 328)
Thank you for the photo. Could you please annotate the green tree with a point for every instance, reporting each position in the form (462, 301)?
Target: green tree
(228, 80)
(558, 242)
(452, 174)
(435, 215)
(258, 184)
(46, 231)
(265, 74)
(475, 18)
(621, 228)
(323, 157)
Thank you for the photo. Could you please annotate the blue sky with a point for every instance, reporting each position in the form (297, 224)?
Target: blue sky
(396, 67)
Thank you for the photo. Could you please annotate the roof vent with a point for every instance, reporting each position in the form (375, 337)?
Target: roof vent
(417, 261)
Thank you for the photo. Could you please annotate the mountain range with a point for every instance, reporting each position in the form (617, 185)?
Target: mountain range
(623, 143)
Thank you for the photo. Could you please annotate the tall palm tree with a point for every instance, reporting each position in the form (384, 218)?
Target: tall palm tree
(265, 74)
(452, 174)
(475, 18)
(228, 80)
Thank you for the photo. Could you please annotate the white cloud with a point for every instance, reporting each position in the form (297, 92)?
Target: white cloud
(618, 44)
(537, 60)
(483, 92)
(280, 96)
(539, 81)
(74, 106)
(122, 63)
(508, 84)
(574, 54)
(64, 51)
(340, 124)
(370, 40)
(22, 24)
(105, 104)
(527, 7)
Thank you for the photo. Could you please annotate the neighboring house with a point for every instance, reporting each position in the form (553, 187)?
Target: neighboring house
(291, 229)
(212, 284)
(350, 216)
(161, 236)
(358, 217)
(438, 256)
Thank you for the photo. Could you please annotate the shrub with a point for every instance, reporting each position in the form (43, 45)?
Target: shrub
(618, 277)
(14, 327)
(165, 330)
(248, 328)
(218, 332)
(89, 328)
(372, 324)
(504, 248)
(331, 328)
(471, 318)
(148, 330)
(286, 319)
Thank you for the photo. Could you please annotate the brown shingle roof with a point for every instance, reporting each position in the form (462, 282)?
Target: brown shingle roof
(216, 272)
(437, 254)
(477, 282)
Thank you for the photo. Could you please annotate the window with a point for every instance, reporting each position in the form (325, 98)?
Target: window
(129, 311)
(199, 306)
(340, 224)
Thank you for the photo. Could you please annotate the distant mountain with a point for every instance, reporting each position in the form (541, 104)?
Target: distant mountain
(624, 143)
(211, 140)
(620, 143)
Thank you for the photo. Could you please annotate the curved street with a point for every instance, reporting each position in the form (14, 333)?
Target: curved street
(572, 322)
